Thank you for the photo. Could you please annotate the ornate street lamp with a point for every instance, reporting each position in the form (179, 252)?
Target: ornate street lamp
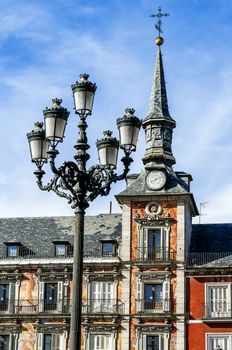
(72, 180)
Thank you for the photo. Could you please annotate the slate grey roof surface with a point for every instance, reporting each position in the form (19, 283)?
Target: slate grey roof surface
(38, 233)
(174, 185)
(211, 238)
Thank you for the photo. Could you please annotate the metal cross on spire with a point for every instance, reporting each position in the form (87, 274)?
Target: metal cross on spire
(159, 22)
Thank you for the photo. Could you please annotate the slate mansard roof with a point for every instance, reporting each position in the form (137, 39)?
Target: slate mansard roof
(39, 233)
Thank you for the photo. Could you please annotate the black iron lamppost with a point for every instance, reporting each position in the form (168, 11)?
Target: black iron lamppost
(72, 180)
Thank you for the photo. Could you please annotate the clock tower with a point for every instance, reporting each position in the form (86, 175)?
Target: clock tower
(157, 211)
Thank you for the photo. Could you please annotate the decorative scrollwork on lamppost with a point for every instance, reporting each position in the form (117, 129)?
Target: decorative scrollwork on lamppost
(72, 180)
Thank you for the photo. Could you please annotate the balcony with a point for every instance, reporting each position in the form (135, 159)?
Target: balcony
(217, 311)
(209, 258)
(34, 306)
(155, 254)
(153, 307)
(102, 306)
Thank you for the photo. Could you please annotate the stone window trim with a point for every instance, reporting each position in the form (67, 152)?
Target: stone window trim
(156, 278)
(54, 333)
(62, 294)
(220, 336)
(14, 281)
(13, 332)
(101, 329)
(220, 305)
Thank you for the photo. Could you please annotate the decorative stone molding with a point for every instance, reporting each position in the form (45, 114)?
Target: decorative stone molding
(54, 276)
(9, 329)
(148, 328)
(95, 276)
(98, 328)
(153, 275)
(10, 277)
(52, 328)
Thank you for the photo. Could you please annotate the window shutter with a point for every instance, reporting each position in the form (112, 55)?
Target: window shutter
(166, 295)
(56, 343)
(139, 296)
(40, 341)
(60, 296)
(12, 342)
(144, 340)
(41, 296)
(11, 297)
(145, 246)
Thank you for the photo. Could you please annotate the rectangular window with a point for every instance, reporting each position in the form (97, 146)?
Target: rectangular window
(153, 296)
(153, 342)
(107, 249)
(47, 342)
(50, 296)
(218, 301)
(12, 250)
(154, 248)
(219, 342)
(102, 297)
(100, 342)
(4, 342)
(153, 244)
(60, 249)
(4, 297)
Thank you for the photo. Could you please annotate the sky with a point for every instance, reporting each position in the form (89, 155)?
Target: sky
(45, 45)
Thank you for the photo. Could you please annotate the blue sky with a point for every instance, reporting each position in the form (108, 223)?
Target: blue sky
(45, 45)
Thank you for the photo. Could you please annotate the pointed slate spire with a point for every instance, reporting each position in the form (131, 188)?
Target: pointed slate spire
(158, 124)
(158, 100)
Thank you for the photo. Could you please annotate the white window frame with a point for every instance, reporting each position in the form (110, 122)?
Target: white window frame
(210, 336)
(61, 286)
(217, 314)
(165, 294)
(12, 301)
(92, 334)
(142, 344)
(143, 239)
(40, 340)
(91, 298)
(13, 340)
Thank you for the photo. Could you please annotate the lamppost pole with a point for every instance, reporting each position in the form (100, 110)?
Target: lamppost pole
(72, 180)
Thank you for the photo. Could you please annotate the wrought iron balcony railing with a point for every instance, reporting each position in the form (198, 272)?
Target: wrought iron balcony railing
(34, 306)
(49, 252)
(153, 306)
(204, 258)
(103, 306)
(164, 254)
(217, 310)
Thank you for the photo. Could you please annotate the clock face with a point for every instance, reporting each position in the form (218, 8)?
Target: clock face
(156, 179)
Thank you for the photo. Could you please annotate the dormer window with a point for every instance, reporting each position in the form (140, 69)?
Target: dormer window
(13, 249)
(108, 247)
(62, 248)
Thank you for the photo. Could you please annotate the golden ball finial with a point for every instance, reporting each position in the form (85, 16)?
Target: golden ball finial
(159, 41)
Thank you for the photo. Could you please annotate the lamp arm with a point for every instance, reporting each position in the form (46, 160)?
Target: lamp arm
(99, 179)
(127, 160)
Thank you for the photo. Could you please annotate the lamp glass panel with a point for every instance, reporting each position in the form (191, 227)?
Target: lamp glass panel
(44, 149)
(38, 149)
(79, 100)
(55, 128)
(135, 136)
(102, 156)
(89, 100)
(83, 101)
(112, 153)
(126, 135)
